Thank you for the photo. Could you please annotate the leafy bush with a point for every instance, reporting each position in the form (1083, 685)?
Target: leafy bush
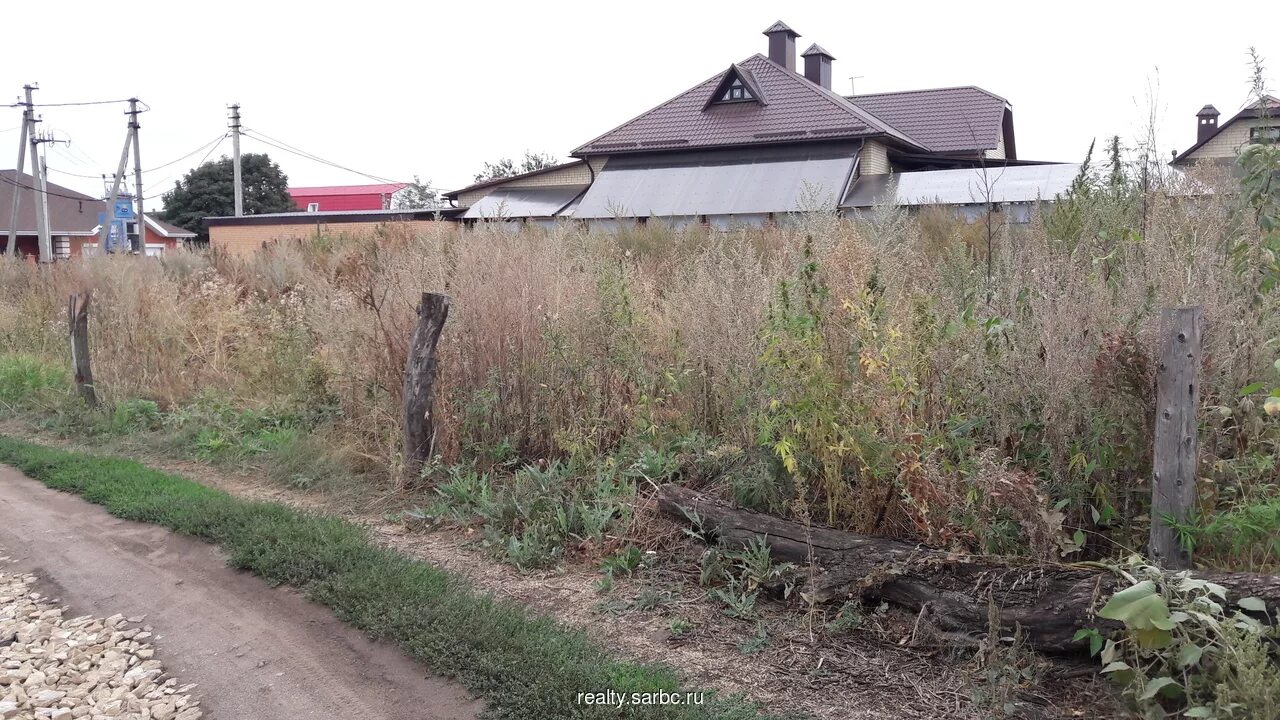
(1185, 650)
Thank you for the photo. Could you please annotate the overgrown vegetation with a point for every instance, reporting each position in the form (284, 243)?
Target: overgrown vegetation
(524, 667)
(966, 385)
(862, 373)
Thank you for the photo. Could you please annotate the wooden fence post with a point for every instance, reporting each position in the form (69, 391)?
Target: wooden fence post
(78, 328)
(419, 384)
(1177, 442)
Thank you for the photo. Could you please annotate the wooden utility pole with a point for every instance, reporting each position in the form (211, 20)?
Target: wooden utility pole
(141, 218)
(235, 160)
(11, 247)
(419, 384)
(1177, 442)
(78, 323)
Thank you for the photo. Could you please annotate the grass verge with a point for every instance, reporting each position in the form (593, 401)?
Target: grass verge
(524, 666)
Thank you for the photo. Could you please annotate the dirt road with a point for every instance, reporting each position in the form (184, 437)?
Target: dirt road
(255, 652)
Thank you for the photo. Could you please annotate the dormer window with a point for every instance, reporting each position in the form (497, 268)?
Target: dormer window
(736, 85)
(736, 91)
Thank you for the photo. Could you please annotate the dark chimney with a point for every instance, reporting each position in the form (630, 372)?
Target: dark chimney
(1206, 123)
(817, 65)
(782, 45)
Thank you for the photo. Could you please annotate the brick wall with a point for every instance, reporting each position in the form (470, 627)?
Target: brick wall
(875, 159)
(244, 240)
(1227, 143)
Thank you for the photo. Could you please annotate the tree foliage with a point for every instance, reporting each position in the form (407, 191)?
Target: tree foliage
(209, 191)
(506, 167)
(418, 195)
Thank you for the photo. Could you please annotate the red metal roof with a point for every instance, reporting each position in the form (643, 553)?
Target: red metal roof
(797, 110)
(376, 189)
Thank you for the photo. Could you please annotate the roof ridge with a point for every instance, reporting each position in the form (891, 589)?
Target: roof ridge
(844, 104)
(663, 104)
(933, 89)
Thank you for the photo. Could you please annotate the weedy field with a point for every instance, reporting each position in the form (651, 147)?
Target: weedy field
(986, 388)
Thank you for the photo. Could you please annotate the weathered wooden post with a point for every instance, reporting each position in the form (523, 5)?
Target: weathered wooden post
(419, 384)
(78, 328)
(1177, 442)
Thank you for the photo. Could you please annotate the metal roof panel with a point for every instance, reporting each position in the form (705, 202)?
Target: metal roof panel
(715, 186)
(1015, 183)
(524, 202)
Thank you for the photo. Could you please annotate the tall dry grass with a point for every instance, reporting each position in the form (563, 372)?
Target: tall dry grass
(570, 343)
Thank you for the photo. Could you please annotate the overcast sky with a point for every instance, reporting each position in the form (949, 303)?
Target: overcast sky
(435, 89)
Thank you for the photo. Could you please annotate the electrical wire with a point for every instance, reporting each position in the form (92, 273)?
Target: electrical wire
(74, 104)
(20, 186)
(218, 140)
(217, 144)
(281, 145)
(77, 175)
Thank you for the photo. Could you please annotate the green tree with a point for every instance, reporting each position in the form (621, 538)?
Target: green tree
(506, 167)
(417, 195)
(208, 191)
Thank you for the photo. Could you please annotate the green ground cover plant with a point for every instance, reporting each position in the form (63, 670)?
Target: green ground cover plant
(524, 666)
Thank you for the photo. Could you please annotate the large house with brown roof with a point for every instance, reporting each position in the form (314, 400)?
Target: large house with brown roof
(74, 220)
(1221, 143)
(763, 138)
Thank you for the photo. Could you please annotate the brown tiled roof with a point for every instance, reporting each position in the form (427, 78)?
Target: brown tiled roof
(797, 110)
(781, 27)
(816, 49)
(167, 229)
(943, 120)
(70, 212)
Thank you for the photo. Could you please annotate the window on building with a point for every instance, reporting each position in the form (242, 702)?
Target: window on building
(1265, 134)
(736, 91)
(313, 207)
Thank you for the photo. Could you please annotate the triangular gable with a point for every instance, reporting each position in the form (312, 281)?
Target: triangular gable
(736, 78)
(797, 110)
(1267, 104)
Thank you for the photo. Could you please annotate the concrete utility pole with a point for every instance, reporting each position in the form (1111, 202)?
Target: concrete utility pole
(43, 242)
(137, 176)
(11, 247)
(235, 158)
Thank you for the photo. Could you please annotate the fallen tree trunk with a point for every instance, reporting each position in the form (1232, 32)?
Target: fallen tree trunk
(953, 592)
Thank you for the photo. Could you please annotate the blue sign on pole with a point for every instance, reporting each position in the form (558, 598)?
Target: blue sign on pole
(124, 208)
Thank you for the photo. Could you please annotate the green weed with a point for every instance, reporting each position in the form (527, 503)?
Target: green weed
(527, 667)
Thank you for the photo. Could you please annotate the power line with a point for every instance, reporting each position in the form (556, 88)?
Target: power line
(20, 186)
(73, 104)
(215, 141)
(78, 175)
(217, 144)
(281, 145)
